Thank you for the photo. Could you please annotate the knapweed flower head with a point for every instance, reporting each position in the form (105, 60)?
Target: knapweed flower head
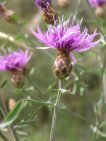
(49, 14)
(14, 60)
(66, 38)
(95, 3)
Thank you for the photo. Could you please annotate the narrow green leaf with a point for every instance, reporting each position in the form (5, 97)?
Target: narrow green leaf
(3, 84)
(14, 114)
(39, 101)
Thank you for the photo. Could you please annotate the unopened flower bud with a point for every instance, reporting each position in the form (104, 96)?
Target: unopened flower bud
(62, 66)
(9, 16)
(11, 104)
(63, 3)
(99, 11)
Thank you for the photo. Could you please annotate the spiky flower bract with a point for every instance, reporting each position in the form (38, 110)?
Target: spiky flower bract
(66, 38)
(95, 3)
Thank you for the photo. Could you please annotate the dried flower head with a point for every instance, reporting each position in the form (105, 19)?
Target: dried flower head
(49, 14)
(15, 62)
(6, 13)
(66, 37)
(95, 3)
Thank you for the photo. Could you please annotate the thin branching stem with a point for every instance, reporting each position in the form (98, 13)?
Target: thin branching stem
(15, 136)
(11, 39)
(3, 136)
(102, 67)
(104, 63)
(76, 9)
(53, 125)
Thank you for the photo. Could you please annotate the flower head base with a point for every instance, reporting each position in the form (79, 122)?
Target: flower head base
(49, 14)
(15, 62)
(67, 38)
(62, 66)
(17, 79)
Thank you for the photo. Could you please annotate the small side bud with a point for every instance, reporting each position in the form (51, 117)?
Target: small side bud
(9, 16)
(11, 104)
(62, 66)
(63, 3)
(99, 11)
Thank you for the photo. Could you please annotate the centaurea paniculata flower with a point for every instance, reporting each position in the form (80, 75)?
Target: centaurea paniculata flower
(98, 5)
(15, 62)
(49, 14)
(66, 38)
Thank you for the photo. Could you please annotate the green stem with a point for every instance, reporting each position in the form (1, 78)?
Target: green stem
(92, 138)
(51, 138)
(11, 126)
(3, 137)
(14, 133)
(77, 9)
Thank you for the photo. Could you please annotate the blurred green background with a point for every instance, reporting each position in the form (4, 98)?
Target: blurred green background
(77, 110)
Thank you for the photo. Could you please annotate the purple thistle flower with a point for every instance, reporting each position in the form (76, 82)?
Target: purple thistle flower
(67, 38)
(15, 60)
(43, 4)
(95, 3)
